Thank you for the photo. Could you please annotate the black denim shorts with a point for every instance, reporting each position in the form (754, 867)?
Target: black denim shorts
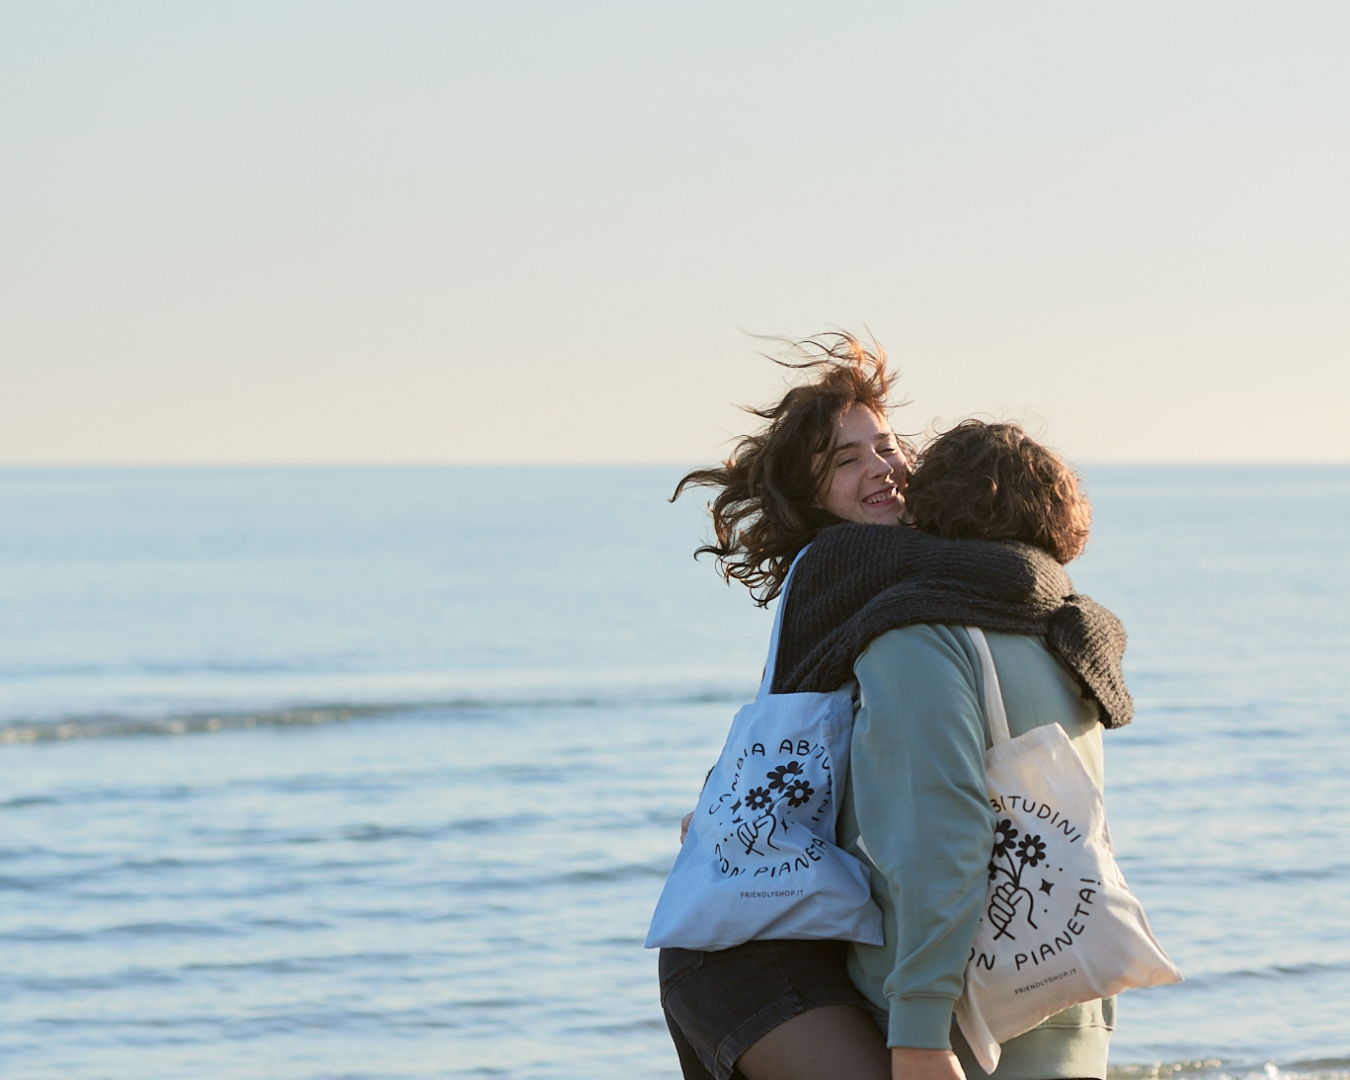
(719, 1004)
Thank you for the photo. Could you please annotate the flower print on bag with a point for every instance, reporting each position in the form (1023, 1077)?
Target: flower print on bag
(757, 799)
(1004, 834)
(778, 778)
(753, 819)
(1030, 850)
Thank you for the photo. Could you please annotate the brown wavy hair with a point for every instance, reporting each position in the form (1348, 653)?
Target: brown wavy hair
(767, 504)
(983, 481)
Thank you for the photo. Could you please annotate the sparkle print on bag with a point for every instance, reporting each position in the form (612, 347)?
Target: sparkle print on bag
(763, 804)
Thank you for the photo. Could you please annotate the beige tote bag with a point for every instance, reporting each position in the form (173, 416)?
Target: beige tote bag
(1059, 926)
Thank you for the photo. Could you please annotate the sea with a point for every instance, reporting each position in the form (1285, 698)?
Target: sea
(374, 773)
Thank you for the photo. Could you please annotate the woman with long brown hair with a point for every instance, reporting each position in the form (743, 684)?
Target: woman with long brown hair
(826, 454)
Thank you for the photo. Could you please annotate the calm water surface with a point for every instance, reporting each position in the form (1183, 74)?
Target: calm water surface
(372, 773)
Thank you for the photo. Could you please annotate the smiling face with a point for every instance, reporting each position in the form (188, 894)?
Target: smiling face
(867, 473)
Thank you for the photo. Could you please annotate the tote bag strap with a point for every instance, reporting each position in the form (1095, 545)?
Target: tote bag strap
(772, 661)
(993, 696)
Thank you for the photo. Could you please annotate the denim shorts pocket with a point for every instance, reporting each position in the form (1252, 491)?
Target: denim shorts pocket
(675, 966)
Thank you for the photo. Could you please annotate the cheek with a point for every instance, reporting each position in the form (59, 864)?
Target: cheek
(842, 494)
(827, 499)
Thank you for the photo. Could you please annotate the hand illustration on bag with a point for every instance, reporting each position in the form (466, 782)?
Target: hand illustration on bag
(1002, 907)
(749, 832)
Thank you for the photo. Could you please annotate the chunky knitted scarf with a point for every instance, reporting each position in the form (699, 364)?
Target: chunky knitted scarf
(858, 581)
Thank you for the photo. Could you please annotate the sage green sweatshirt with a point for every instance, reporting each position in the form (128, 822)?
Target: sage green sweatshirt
(915, 811)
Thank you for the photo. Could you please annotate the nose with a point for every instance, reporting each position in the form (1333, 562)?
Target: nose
(878, 466)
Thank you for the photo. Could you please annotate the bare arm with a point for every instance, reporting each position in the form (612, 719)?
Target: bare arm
(909, 1063)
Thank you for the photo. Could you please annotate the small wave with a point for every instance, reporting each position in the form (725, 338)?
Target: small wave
(27, 800)
(522, 884)
(113, 725)
(616, 873)
(1311, 968)
(633, 1027)
(1215, 1069)
(1315, 873)
(288, 965)
(95, 727)
(1164, 1070)
(1323, 1067)
(169, 929)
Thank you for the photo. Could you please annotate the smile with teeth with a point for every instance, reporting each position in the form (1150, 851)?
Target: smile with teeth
(880, 497)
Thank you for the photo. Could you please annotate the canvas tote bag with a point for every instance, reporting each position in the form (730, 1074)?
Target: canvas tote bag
(760, 859)
(1059, 925)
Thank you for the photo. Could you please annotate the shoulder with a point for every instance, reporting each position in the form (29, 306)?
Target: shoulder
(923, 639)
(920, 660)
(920, 698)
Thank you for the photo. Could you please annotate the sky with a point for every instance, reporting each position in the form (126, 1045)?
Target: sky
(332, 232)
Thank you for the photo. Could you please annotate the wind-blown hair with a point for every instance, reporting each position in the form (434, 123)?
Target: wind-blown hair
(767, 507)
(982, 481)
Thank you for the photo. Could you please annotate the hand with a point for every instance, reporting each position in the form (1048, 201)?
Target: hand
(684, 825)
(910, 1063)
(1003, 906)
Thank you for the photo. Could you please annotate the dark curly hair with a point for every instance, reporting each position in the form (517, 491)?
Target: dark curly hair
(982, 481)
(767, 506)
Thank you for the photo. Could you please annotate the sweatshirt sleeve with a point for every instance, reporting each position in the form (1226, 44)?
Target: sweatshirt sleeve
(917, 773)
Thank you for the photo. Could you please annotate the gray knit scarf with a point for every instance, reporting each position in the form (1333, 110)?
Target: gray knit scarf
(858, 581)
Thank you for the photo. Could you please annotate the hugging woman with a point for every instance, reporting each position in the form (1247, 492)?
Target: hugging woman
(885, 605)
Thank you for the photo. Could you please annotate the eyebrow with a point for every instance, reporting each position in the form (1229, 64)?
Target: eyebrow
(855, 444)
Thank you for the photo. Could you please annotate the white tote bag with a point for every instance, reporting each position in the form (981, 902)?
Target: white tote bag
(1060, 926)
(760, 859)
